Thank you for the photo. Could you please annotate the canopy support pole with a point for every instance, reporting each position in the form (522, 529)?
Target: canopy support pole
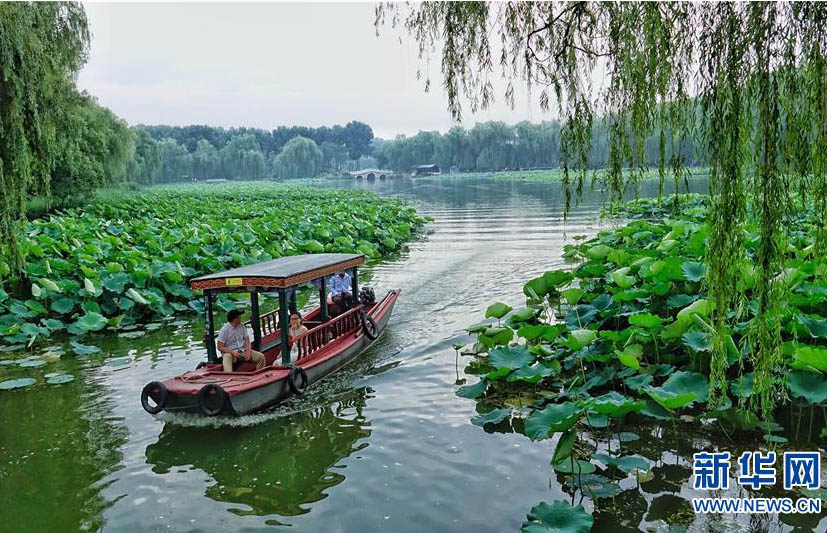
(256, 321)
(284, 320)
(355, 285)
(209, 334)
(323, 299)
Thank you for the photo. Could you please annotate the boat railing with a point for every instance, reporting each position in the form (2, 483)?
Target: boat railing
(326, 333)
(269, 322)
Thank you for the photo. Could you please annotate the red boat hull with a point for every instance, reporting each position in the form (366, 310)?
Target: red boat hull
(250, 391)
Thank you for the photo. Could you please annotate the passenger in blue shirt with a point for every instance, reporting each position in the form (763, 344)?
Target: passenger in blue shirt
(340, 287)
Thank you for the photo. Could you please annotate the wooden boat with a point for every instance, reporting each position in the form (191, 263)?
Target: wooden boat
(334, 338)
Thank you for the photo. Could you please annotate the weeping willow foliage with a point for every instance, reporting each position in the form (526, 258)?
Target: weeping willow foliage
(42, 45)
(747, 79)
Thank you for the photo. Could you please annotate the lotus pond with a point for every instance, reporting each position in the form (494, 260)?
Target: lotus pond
(625, 336)
(115, 264)
(385, 445)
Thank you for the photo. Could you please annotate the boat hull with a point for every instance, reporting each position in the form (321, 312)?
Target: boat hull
(248, 392)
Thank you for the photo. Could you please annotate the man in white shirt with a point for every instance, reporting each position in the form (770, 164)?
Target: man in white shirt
(340, 287)
(234, 343)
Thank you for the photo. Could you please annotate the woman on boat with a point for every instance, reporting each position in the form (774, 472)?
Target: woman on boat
(296, 330)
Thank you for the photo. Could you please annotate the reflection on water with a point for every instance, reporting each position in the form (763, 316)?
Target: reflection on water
(273, 468)
(385, 445)
(57, 445)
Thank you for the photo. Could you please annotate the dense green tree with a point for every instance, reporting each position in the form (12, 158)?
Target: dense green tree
(145, 168)
(300, 158)
(93, 148)
(41, 46)
(205, 162)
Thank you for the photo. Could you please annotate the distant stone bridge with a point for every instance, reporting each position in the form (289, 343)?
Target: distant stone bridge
(372, 174)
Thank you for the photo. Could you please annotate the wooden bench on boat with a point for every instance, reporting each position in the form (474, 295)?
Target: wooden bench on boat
(330, 343)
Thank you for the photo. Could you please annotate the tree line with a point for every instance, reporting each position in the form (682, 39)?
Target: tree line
(491, 146)
(175, 153)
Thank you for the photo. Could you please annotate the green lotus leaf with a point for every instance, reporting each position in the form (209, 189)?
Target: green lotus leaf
(628, 436)
(645, 320)
(116, 282)
(655, 410)
(558, 278)
(555, 417)
(17, 383)
(667, 399)
(637, 382)
(615, 404)
(580, 338)
(557, 517)
(679, 300)
(621, 278)
(702, 307)
(472, 391)
(814, 326)
(626, 464)
(478, 328)
(565, 445)
(63, 306)
(531, 374)
(631, 295)
(91, 321)
(82, 349)
(497, 310)
(512, 357)
(573, 295)
(31, 362)
(60, 379)
(136, 297)
(540, 332)
(599, 251)
(313, 247)
(630, 356)
(578, 467)
(812, 387)
(522, 315)
(693, 270)
(700, 341)
(682, 382)
(494, 417)
(496, 336)
(742, 385)
(810, 358)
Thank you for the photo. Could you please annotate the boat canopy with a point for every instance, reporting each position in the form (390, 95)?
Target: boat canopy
(278, 273)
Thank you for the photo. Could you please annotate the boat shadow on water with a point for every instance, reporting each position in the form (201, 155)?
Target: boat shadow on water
(273, 468)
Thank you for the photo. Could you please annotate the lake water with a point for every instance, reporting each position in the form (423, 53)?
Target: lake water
(385, 445)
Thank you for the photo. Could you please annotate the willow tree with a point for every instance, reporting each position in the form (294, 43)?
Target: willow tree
(42, 46)
(747, 79)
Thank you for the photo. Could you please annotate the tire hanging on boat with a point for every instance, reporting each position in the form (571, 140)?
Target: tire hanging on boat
(297, 374)
(369, 326)
(159, 394)
(211, 399)
(200, 365)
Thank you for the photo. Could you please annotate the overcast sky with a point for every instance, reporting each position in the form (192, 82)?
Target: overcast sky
(265, 65)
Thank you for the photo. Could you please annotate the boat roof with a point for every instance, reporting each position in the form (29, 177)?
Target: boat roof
(278, 273)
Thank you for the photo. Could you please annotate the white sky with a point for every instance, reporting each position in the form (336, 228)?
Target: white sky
(265, 65)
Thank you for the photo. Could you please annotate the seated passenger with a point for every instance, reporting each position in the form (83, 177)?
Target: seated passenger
(340, 287)
(234, 343)
(296, 330)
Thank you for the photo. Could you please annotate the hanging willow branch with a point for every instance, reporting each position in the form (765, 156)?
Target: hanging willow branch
(748, 80)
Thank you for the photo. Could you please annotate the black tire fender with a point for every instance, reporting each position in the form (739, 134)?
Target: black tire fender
(297, 374)
(369, 326)
(159, 394)
(212, 399)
